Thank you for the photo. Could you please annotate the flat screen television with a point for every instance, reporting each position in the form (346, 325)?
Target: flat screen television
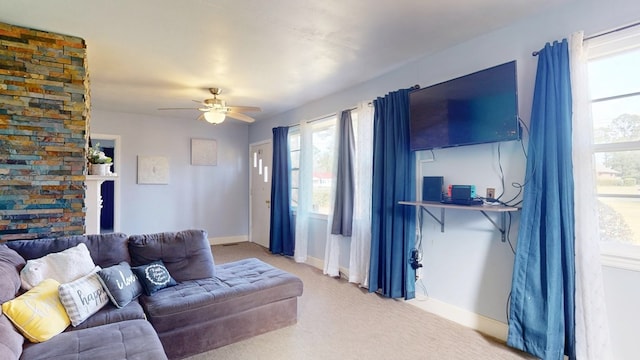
(481, 107)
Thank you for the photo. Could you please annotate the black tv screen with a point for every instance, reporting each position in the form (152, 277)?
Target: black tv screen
(473, 109)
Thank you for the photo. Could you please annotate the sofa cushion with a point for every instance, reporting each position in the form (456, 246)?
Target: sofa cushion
(153, 277)
(10, 265)
(83, 297)
(38, 314)
(105, 249)
(111, 314)
(135, 339)
(10, 340)
(64, 266)
(120, 283)
(238, 286)
(186, 254)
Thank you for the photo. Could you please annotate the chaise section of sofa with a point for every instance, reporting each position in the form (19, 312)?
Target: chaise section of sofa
(242, 299)
(246, 298)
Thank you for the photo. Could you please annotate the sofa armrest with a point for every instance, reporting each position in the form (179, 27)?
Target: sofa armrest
(10, 340)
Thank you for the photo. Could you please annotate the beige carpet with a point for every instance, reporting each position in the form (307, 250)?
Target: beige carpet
(338, 320)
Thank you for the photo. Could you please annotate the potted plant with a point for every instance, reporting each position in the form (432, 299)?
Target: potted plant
(99, 163)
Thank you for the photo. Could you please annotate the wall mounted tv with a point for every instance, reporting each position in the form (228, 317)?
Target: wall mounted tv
(473, 109)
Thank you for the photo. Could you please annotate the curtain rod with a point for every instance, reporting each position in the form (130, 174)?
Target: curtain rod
(335, 114)
(323, 117)
(535, 53)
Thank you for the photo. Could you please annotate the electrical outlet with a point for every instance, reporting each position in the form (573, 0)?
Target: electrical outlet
(491, 193)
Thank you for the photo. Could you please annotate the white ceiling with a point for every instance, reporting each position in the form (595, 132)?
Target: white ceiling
(277, 54)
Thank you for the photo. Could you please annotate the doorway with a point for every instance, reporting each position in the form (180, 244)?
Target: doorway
(110, 190)
(260, 158)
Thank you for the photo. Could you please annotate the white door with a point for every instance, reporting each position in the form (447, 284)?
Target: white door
(260, 157)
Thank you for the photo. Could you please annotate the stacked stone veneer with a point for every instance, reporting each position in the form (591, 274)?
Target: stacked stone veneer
(43, 127)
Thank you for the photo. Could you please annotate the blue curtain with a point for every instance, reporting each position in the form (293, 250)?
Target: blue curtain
(392, 225)
(541, 315)
(281, 238)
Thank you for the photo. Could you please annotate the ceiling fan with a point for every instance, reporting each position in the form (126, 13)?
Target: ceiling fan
(215, 110)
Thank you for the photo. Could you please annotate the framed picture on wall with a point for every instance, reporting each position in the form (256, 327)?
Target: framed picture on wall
(204, 152)
(153, 170)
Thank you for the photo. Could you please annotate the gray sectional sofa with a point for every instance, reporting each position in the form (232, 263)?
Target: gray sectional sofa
(211, 305)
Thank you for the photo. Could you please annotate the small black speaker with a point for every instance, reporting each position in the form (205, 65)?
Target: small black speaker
(432, 188)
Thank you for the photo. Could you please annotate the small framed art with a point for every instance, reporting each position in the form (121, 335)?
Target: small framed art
(204, 152)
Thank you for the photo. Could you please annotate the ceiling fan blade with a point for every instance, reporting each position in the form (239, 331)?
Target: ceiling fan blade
(239, 116)
(177, 109)
(244, 108)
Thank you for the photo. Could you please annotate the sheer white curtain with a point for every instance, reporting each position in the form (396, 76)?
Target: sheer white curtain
(592, 328)
(360, 240)
(332, 247)
(304, 192)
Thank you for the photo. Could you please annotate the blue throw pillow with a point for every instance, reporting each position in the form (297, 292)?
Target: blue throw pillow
(120, 283)
(153, 277)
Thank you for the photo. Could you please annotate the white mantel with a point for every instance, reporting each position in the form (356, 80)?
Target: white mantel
(93, 201)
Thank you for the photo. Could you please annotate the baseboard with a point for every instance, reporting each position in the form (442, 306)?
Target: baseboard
(485, 325)
(315, 262)
(228, 240)
(319, 264)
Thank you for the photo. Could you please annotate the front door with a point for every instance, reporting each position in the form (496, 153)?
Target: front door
(260, 158)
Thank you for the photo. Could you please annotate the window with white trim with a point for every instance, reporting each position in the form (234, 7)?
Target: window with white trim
(614, 85)
(323, 133)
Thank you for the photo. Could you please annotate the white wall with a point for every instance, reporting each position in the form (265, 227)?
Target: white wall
(214, 198)
(467, 266)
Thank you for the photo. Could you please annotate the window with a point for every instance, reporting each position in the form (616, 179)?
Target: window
(322, 140)
(614, 85)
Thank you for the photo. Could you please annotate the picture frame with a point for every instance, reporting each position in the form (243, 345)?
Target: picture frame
(153, 170)
(204, 152)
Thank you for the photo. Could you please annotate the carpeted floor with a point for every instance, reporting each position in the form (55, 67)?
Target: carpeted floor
(338, 320)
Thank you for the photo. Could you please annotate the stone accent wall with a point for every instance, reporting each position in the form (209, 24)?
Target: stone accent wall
(43, 129)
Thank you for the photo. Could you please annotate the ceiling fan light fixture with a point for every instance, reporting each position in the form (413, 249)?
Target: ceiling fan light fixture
(214, 117)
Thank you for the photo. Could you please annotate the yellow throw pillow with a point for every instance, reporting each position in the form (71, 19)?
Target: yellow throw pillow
(38, 313)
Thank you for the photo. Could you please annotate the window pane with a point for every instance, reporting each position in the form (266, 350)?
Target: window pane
(619, 220)
(295, 159)
(614, 75)
(295, 178)
(617, 175)
(323, 141)
(294, 141)
(294, 198)
(618, 172)
(616, 120)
